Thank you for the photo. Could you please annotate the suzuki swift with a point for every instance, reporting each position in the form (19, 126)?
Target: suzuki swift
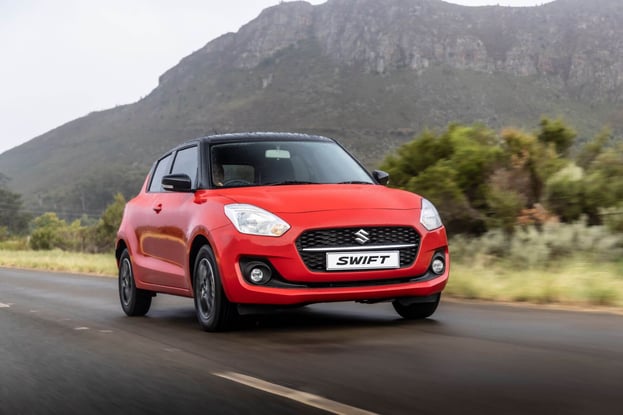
(276, 219)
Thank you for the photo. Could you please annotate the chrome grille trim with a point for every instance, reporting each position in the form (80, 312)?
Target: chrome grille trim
(359, 248)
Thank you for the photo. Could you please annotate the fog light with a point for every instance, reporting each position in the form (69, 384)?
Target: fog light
(438, 266)
(258, 273)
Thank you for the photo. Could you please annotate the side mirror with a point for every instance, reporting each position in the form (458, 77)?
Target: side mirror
(381, 177)
(177, 183)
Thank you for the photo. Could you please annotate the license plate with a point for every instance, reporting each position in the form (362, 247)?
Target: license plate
(362, 260)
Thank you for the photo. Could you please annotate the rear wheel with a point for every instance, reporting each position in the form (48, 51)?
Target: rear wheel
(416, 308)
(214, 311)
(134, 302)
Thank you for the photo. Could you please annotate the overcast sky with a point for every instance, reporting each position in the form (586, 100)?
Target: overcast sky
(62, 59)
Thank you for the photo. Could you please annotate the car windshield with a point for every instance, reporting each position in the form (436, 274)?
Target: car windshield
(263, 163)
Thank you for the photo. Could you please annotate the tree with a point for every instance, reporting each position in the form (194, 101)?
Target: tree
(11, 216)
(591, 185)
(603, 184)
(592, 149)
(108, 225)
(564, 194)
(48, 232)
(451, 169)
(479, 179)
(556, 133)
(439, 184)
(530, 162)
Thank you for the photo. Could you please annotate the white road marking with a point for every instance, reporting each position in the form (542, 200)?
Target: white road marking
(81, 328)
(105, 331)
(293, 394)
(2, 305)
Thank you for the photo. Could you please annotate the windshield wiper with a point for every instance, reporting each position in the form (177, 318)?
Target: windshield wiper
(354, 182)
(288, 182)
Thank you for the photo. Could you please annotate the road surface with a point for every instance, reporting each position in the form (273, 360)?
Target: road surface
(67, 348)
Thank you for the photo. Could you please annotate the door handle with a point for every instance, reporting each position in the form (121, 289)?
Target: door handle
(157, 208)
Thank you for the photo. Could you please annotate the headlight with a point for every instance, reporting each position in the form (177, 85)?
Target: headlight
(429, 217)
(253, 220)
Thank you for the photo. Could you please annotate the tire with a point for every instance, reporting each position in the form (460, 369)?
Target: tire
(134, 302)
(416, 310)
(214, 311)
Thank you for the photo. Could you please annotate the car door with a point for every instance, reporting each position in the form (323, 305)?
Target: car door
(163, 233)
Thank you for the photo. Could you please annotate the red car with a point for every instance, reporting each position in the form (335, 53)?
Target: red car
(276, 219)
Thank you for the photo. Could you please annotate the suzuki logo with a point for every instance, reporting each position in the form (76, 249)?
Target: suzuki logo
(362, 236)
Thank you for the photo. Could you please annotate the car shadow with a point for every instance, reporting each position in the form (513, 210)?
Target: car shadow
(317, 317)
(306, 318)
(317, 329)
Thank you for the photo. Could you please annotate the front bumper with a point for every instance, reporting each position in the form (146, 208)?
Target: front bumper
(299, 285)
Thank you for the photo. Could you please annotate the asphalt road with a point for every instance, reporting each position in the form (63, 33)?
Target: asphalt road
(66, 347)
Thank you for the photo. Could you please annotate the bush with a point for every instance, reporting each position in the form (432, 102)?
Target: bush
(47, 232)
(106, 229)
(51, 232)
(14, 244)
(613, 218)
(564, 193)
(543, 247)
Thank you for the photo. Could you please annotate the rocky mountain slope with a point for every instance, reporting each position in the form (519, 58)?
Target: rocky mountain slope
(371, 73)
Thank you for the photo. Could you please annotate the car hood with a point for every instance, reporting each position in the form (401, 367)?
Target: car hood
(324, 197)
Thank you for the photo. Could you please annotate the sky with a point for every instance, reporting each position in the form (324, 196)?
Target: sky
(62, 59)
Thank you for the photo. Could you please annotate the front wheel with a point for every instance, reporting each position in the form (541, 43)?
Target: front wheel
(417, 308)
(214, 311)
(134, 302)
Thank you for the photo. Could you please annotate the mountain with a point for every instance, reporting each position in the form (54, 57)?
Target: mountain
(371, 73)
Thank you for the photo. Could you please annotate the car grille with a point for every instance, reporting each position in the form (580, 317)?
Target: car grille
(380, 238)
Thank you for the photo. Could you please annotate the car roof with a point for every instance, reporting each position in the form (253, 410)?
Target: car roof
(263, 136)
(250, 136)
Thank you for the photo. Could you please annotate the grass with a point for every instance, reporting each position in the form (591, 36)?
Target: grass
(61, 261)
(572, 282)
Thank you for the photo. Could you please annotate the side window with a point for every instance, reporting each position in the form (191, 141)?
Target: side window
(186, 162)
(159, 172)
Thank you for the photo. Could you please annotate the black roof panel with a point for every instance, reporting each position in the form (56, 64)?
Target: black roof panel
(263, 136)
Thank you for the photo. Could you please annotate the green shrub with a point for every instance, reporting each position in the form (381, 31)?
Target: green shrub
(14, 244)
(47, 232)
(105, 232)
(613, 218)
(539, 248)
(564, 193)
